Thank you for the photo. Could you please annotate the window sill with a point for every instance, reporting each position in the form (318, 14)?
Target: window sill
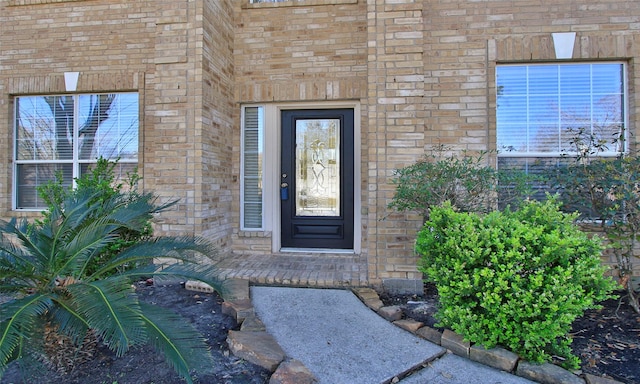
(254, 233)
(296, 3)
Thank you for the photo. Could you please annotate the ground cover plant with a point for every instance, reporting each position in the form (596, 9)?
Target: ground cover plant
(69, 278)
(514, 278)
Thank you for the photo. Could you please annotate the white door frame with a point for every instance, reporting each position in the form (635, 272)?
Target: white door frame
(272, 136)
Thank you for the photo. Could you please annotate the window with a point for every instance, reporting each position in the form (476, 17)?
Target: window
(66, 134)
(251, 168)
(546, 112)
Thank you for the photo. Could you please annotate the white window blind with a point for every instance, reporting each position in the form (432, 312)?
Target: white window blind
(252, 163)
(545, 110)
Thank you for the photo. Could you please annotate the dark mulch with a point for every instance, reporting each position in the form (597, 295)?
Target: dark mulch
(144, 365)
(607, 340)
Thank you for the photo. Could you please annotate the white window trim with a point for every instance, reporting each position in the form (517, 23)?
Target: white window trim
(271, 169)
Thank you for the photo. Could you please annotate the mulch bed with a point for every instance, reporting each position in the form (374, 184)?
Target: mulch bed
(144, 365)
(607, 340)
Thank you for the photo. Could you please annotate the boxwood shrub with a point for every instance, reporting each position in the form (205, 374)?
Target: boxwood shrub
(514, 278)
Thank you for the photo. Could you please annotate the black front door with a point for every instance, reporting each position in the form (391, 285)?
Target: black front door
(316, 179)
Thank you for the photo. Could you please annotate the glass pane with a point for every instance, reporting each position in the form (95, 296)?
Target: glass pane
(543, 80)
(512, 138)
(108, 126)
(31, 176)
(512, 81)
(252, 156)
(511, 109)
(560, 106)
(607, 78)
(317, 167)
(575, 79)
(44, 128)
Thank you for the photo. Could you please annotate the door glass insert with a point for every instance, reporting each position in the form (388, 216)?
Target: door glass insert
(317, 187)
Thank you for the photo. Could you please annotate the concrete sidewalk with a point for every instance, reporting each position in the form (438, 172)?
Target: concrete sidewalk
(341, 341)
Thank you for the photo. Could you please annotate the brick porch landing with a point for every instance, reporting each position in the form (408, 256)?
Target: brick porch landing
(297, 269)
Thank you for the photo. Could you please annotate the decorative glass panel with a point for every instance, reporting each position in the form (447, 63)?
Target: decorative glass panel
(317, 167)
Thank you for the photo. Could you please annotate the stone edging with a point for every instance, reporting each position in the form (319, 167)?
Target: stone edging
(498, 358)
(254, 344)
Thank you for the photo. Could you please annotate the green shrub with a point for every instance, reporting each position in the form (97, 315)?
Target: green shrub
(465, 180)
(70, 289)
(103, 182)
(606, 191)
(513, 278)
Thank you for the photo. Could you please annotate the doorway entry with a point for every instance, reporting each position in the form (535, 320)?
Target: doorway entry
(317, 178)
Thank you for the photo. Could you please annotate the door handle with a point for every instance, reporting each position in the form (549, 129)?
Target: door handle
(284, 191)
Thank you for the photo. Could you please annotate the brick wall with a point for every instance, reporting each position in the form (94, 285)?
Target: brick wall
(161, 49)
(313, 51)
(465, 40)
(214, 211)
(431, 81)
(397, 112)
(109, 42)
(298, 52)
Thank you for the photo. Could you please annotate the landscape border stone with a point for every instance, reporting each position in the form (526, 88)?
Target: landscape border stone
(455, 343)
(238, 305)
(498, 358)
(252, 342)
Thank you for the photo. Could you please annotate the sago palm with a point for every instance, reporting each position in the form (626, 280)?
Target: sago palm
(43, 267)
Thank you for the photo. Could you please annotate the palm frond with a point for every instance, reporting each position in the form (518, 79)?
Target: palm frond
(17, 245)
(132, 214)
(182, 345)
(65, 222)
(111, 308)
(83, 244)
(69, 319)
(93, 233)
(186, 249)
(17, 321)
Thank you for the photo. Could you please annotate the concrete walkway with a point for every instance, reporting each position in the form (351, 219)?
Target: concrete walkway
(341, 341)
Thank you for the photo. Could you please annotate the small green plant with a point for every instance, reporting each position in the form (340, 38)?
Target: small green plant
(62, 283)
(513, 278)
(466, 181)
(101, 178)
(606, 192)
